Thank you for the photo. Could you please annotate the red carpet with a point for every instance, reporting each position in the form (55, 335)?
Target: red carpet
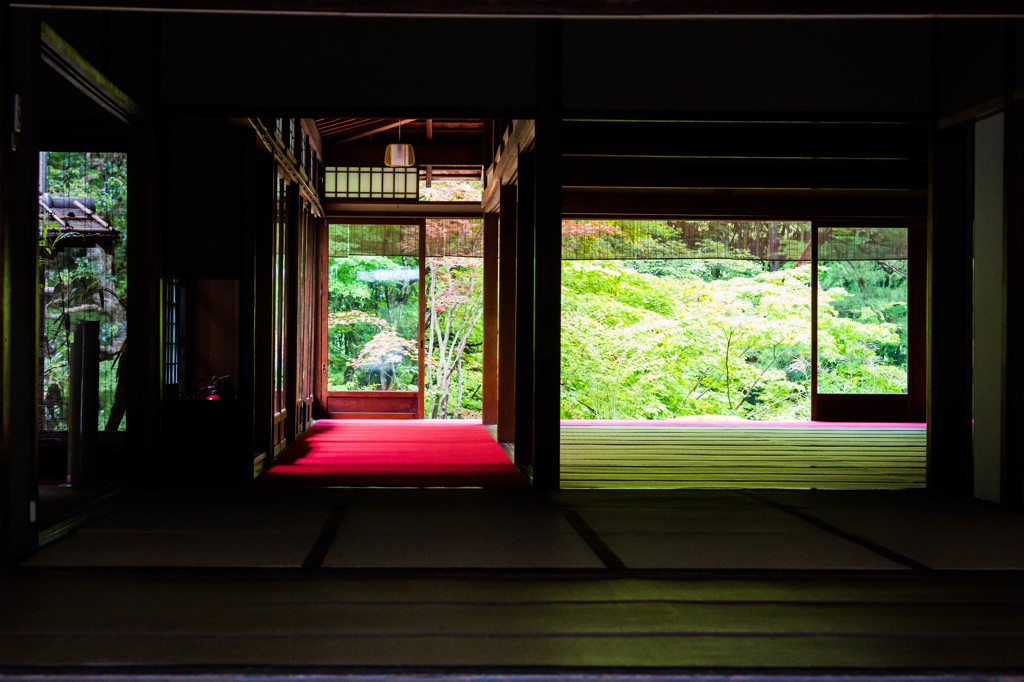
(399, 453)
(734, 424)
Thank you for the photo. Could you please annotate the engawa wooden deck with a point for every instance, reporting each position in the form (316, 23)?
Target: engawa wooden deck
(742, 456)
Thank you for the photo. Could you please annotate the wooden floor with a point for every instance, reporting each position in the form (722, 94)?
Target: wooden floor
(743, 456)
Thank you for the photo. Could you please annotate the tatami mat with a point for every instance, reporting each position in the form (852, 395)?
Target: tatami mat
(939, 532)
(456, 529)
(199, 549)
(746, 455)
(714, 530)
(224, 527)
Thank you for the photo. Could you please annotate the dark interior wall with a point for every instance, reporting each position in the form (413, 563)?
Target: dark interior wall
(747, 66)
(971, 63)
(213, 347)
(310, 65)
(204, 218)
(1018, 38)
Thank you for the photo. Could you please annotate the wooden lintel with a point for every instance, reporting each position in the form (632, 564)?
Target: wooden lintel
(73, 67)
(746, 173)
(796, 205)
(336, 154)
(335, 208)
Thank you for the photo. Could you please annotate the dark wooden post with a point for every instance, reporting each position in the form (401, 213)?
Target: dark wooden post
(19, 306)
(291, 350)
(147, 158)
(490, 340)
(950, 343)
(507, 315)
(83, 404)
(524, 310)
(263, 349)
(1012, 493)
(548, 240)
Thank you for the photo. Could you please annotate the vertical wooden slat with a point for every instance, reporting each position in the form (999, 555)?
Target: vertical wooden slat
(950, 219)
(421, 330)
(490, 319)
(548, 257)
(507, 314)
(525, 234)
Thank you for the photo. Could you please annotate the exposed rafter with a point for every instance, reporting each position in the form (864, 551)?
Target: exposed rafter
(376, 129)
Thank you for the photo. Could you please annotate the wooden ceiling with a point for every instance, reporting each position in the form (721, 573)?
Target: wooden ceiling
(445, 147)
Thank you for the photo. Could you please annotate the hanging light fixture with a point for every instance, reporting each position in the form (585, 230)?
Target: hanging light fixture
(399, 154)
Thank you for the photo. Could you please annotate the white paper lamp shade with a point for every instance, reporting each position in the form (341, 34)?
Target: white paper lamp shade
(399, 155)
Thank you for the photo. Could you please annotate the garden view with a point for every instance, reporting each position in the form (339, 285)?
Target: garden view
(660, 319)
(83, 270)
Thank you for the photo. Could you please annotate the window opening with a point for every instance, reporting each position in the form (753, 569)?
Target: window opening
(371, 182)
(705, 319)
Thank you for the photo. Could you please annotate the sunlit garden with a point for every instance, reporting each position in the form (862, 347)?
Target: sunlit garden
(706, 320)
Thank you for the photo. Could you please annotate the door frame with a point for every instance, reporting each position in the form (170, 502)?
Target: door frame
(891, 407)
(340, 396)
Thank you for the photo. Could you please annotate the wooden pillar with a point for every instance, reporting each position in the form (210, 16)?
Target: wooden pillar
(291, 349)
(19, 305)
(490, 340)
(1012, 494)
(950, 383)
(263, 322)
(507, 315)
(524, 311)
(321, 235)
(548, 257)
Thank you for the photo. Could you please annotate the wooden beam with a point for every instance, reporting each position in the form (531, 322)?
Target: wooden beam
(748, 9)
(806, 140)
(72, 66)
(490, 320)
(375, 129)
(599, 172)
(752, 204)
(507, 315)
(430, 130)
(354, 208)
